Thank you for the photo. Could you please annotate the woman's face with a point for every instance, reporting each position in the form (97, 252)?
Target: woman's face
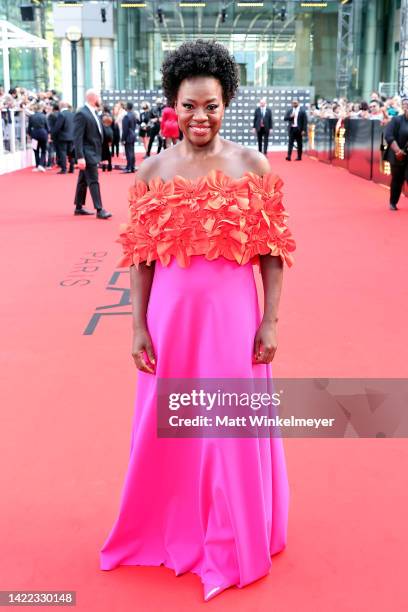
(200, 109)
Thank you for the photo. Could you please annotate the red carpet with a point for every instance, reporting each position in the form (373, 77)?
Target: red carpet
(68, 398)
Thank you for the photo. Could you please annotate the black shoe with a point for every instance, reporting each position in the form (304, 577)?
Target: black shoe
(298, 159)
(103, 214)
(82, 211)
(393, 206)
(61, 172)
(288, 159)
(71, 171)
(126, 171)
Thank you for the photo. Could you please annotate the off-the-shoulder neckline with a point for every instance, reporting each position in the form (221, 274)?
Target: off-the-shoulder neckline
(205, 176)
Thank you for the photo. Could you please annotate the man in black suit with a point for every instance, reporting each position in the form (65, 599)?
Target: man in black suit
(88, 136)
(297, 126)
(396, 136)
(63, 134)
(129, 124)
(154, 122)
(263, 124)
(52, 144)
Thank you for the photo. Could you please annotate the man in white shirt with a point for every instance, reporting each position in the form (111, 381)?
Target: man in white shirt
(88, 138)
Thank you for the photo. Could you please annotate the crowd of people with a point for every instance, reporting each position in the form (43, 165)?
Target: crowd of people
(50, 124)
(379, 107)
(50, 127)
(148, 123)
(22, 98)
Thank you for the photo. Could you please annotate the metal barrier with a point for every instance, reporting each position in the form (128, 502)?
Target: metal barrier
(355, 144)
(15, 153)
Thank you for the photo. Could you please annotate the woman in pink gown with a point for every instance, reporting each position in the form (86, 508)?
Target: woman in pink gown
(201, 214)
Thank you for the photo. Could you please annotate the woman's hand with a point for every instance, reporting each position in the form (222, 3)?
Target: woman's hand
(142, 346)
(265, 343)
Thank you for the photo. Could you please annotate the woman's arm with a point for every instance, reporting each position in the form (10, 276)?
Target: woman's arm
(265, 343)
(140, 285)
(272, 277)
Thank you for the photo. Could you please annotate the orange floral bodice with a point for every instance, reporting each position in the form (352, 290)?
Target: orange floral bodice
(214, 215)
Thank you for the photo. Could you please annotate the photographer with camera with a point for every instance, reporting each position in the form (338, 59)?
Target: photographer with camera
(396, 136)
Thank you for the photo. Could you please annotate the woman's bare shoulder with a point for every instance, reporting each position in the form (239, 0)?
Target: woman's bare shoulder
(249, 160)
(255, 161)
(147, 170)
(155, 166)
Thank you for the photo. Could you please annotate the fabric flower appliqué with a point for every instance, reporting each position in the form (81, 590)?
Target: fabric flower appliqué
(214, 216)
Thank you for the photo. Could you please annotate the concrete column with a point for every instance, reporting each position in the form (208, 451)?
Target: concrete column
(150, 63)
(102, 55)
(303, 51)
(370, 73)
(87, 64)
(110, 64)
(80, 73)
(324, 54)
(121, 48)
(66, 69)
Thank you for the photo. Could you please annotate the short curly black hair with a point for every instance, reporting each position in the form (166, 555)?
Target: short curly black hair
(200, 58)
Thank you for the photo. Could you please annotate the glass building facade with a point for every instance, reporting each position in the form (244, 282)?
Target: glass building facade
(291, 43)
(275, 42)
(28, 67)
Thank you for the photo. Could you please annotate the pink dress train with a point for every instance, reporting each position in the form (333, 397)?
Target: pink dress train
(217, 507)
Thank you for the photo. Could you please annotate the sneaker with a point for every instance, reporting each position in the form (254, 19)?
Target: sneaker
(34, 170)
(41, 169)
(393, 206)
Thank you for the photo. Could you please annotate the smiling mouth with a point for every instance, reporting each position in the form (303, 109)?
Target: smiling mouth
(200, 130)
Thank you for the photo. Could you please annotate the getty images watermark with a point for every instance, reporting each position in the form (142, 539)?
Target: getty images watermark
(258, 407)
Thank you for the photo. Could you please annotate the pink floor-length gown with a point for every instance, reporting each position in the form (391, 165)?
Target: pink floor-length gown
(217, 507)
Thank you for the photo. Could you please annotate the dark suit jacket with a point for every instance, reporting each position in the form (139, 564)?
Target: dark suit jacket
(156, 113)
(87, 137)
(268, 123)
(64, 126)
(391, 133)
(36, 122)
(302, 119)
(129, 124)
(51, 121)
